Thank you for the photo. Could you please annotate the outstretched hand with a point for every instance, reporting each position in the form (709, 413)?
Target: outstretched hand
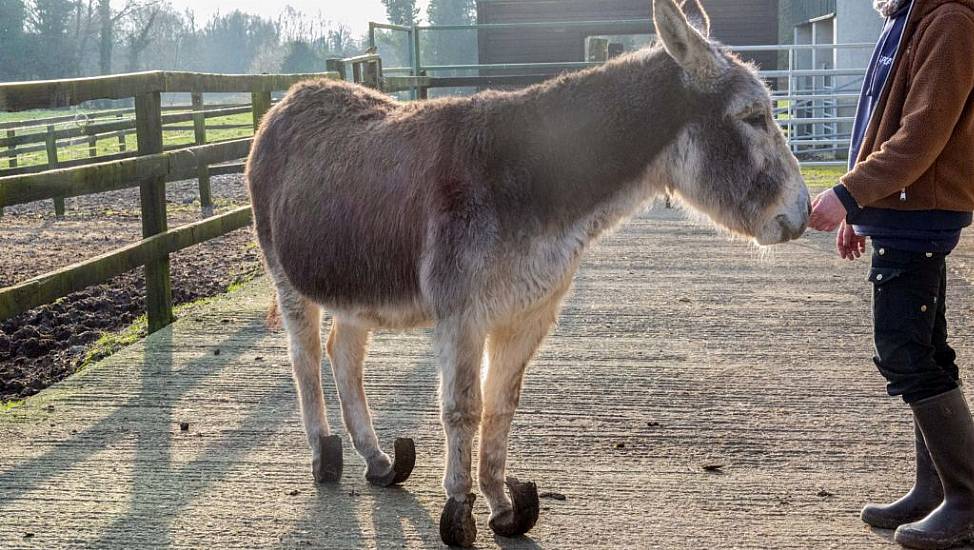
(827, 212)
(849, 245)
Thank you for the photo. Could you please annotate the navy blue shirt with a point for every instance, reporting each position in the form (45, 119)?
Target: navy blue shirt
(877, 75)
(918, 231)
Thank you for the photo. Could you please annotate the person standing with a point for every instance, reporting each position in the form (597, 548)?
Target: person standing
(910, 188)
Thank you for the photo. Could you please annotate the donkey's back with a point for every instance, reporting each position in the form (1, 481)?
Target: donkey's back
(337, 178)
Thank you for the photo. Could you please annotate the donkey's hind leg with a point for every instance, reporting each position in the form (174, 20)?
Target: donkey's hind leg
(509, 349)
(347, 346)
(302, 321)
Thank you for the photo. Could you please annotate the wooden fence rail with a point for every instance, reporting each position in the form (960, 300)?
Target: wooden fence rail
(111, 127)
(53, 94)
(102, 177)
(34, 123)
(149, 170)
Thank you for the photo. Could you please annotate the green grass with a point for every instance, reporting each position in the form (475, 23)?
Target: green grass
(38, 113)
(109, 145)
(7, 405)
(111, 342)
(820, 178)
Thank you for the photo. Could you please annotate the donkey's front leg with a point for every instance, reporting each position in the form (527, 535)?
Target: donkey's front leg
(510, 349)
(460, 348)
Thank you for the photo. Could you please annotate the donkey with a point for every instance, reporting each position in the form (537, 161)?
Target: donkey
(471, 215)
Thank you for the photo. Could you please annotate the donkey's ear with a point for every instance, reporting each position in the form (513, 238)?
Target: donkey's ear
(684, 43)
(697, 16)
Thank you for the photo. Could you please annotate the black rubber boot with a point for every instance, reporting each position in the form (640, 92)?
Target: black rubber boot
(948, 429)
(927, 493)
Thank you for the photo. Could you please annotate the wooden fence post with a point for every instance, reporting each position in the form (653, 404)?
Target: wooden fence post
(203, 171)
(261, 104)
(158, 292)
(12, 159)
(372, 76)
(12, 149)
(336, 65)
(93, 146)
(422, 92)
(121, 136)
(52, 164)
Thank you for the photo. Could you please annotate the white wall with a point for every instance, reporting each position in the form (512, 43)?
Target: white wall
(857, 22)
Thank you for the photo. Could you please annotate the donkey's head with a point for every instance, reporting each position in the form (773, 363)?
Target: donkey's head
(731, 160)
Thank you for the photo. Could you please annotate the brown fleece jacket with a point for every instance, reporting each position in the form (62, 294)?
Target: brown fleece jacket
(921, 138)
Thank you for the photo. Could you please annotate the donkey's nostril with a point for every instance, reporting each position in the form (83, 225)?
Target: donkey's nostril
(788, 230)
(809, 207)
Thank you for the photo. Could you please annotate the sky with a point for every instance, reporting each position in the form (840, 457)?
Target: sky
(356, 14)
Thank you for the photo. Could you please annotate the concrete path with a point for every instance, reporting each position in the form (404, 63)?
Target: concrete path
(678, 353)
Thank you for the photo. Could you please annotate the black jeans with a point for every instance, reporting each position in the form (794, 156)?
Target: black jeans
(910, 323)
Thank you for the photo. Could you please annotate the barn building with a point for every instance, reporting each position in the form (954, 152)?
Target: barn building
(733, 22)
(824, 22)
(829, 22)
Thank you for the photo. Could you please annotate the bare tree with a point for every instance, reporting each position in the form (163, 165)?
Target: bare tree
(84, 17)
(340, 39)
(106, 36)
(108, 20)
(138, 38)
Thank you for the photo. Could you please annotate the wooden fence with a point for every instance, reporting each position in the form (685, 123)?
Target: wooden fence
(148, 169)
(33, 136)
(36, 135)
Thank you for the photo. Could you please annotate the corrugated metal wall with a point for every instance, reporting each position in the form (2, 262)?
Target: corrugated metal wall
(795, 12)
(803, 10)
(735, 22)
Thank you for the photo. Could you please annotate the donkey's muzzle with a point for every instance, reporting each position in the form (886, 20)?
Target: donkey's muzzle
(789, 224)
(782, 228)
(790, 231)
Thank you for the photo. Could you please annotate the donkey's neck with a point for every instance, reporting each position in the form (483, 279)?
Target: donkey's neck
(576, 145)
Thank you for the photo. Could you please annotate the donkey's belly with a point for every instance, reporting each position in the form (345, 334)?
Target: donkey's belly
(340, 273)
(344, 257)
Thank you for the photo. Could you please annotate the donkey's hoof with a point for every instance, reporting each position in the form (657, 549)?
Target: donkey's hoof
(400, 469)
(457, 526)
(384, 479)
(327, 468)
(520, 520)
(405, 459)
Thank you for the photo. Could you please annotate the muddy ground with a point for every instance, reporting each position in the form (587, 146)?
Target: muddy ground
(48, 343)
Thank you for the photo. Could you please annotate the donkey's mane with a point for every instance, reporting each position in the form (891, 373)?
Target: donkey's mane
(572, 142)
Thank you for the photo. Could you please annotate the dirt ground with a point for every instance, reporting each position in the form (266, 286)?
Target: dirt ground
(696, 394)
(45, 345)
(962, 260)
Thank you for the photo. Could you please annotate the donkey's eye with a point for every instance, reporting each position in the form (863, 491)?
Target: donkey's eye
(758, 121)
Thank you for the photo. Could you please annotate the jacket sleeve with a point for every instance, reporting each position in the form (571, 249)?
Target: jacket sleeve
(942, 81)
